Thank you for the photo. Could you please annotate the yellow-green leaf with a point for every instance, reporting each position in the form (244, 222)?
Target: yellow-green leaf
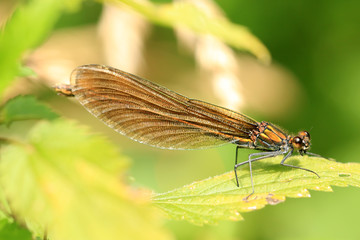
(71, 183)
(218, 198)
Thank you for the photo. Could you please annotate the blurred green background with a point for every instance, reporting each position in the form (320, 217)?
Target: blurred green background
(318, 43)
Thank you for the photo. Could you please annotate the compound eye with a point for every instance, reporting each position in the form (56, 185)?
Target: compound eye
(297, 142)
(306, 134)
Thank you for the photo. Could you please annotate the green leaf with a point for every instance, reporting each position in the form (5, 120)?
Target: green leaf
(71, 183)
(27, 28)
(218, 198)
(10, 230)
(186, 14)
(25, 108)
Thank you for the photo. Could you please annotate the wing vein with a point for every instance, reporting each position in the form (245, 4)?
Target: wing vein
(151, 114)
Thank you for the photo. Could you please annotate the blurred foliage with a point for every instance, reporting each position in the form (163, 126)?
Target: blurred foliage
(55, 179)
(187, 15)
(10, 230)
(25, 31)
(318, 42)
(24, 108)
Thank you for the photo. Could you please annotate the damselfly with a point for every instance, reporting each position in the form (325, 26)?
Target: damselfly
(154, 115)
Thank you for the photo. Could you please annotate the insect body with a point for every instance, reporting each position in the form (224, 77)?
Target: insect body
(154, 115)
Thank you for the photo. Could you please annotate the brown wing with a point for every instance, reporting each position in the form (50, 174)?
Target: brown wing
(152, 114)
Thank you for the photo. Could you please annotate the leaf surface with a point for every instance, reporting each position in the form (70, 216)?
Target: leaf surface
(218, 198)
(25, 108)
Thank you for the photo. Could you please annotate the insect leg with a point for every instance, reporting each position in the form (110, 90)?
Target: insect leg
(317, 155)
(258, 156)
(292, 166)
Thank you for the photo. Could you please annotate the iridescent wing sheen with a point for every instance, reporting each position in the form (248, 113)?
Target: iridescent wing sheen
(154, 115)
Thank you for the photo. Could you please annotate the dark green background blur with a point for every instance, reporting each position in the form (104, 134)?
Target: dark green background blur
(319, 42)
